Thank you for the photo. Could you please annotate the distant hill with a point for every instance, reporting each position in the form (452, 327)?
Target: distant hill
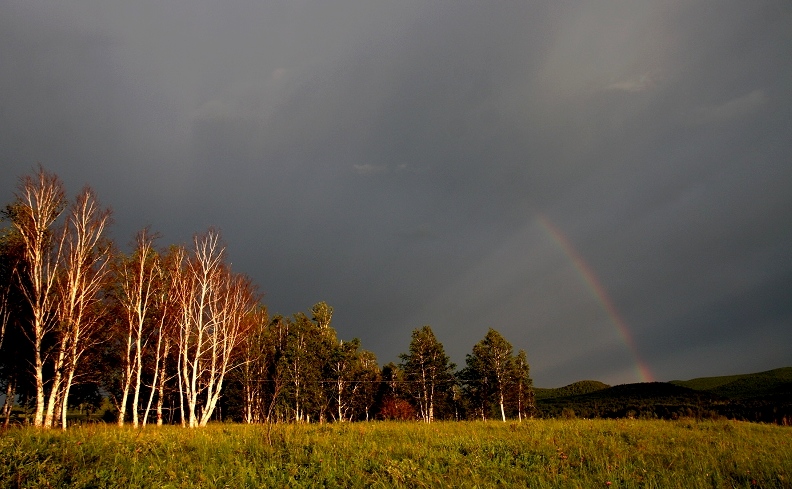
(746, 386)
(763, 396)
(577, 388)
(649, 400)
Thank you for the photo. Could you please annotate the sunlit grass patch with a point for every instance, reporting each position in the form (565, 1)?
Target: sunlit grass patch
(537, 453)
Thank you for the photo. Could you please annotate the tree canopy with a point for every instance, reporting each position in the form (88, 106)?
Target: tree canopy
(174, 334)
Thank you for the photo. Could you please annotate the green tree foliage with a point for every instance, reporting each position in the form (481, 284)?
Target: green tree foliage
(369, 377)
(351, 381)
(428, 372)
(254, 396)
(322, 314)
(522, 393)
(175, 332)
(493, 376)
(296, 369)
(391, 400)
(307, 346)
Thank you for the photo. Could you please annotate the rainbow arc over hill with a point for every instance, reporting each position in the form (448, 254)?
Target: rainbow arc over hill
(598, 290)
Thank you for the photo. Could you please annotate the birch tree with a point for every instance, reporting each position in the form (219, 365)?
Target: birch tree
(276, 382)
(137, 293)
(216, 313)
(40, 200)
(254, 373)
(161, 330)
(523, 387)
(234, 316)
(489, 372)
(342, 369)
(167, 310)
(428, 371)
(86, 256)
(367, 377)
(303, 371)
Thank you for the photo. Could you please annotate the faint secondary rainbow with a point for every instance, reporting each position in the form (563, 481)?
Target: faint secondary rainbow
(590, 278)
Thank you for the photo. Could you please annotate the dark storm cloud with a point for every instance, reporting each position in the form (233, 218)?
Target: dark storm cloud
(394, 159)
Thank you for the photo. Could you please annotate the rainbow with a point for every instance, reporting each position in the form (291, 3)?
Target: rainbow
(593, 283)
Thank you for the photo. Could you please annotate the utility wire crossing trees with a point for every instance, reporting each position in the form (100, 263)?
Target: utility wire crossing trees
(428, 370)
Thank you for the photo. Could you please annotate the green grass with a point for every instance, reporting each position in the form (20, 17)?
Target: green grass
(537, 453)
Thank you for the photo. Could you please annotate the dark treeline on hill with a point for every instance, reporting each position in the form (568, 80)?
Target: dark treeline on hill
(173, 335)
(763, 397)
(574, 389)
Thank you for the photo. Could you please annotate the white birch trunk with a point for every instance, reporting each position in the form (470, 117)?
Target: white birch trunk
(138, 371)
(156, 374)
(41, 200)
(161, 394)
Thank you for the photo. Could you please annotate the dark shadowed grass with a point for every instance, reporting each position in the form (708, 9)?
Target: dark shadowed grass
(541, 453)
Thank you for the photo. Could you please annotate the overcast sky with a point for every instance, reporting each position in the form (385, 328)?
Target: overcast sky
(608, 185)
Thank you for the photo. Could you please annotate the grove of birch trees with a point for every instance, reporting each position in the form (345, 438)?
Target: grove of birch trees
(174, 335)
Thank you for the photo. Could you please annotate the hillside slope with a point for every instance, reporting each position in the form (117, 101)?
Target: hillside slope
(745, 386)
(762, 396)
(574, 389)
(649, 400)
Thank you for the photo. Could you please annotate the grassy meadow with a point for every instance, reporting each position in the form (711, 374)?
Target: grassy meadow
(536, 453)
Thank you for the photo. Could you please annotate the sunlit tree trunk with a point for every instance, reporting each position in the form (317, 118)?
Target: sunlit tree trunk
(128, 371)
(183, 420)
(40, 201)
(200, 277)
(217, 310)
(157, 360)
(56, 389)
(9, 401)
(161, 387)
(5, 308)
(138, 275)
(85, 265)
(167, 308)
(525, 407)
(422, 398)
(138, 371)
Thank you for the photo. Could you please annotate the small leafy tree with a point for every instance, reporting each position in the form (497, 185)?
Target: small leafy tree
(253, 374)
(306, 350)
(489, 373)
(428, 371)
(522, 390)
